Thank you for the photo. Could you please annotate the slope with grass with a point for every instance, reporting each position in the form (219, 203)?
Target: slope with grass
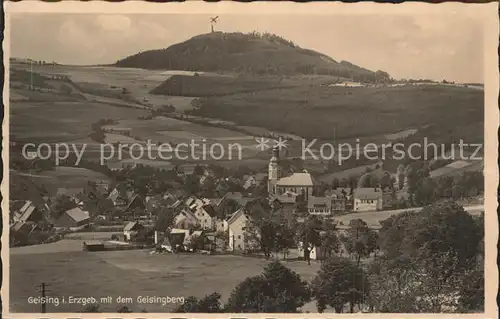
(322, 112)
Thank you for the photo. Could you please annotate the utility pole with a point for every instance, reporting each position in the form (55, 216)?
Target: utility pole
(43, 290)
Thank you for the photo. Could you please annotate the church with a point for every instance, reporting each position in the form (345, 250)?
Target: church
(302, 184)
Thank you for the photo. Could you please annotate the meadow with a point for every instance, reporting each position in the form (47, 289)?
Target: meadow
(162, 130)
(105, 81)
(51, 180)
(130, 273)
(47, 122)
(322, 112)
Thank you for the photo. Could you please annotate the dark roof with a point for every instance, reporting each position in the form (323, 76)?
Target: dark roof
(244, 200)
(27, 210)
(132, 226)
(319, 202)
(210, 210)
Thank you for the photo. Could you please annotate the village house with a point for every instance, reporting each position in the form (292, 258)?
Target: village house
(131, 229)
(186, 220)
(19, 232)
(73, 219)
(236, 225)
(127, 200)
(314, 254)
(285, 204)
(341, 200)
(319, 206)
(206, 216)
(30, 212)
(253, 180)
(367, 199)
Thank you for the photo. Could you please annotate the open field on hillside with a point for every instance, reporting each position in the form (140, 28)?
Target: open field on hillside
(321, 112)
(109, 82)
(205, 86)
(63, 177)
(70, 177)
(62, 121)
(356, 171)
(120, 273)
(162, 130)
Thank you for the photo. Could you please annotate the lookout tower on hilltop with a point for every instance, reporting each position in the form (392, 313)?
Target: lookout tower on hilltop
(213, 21)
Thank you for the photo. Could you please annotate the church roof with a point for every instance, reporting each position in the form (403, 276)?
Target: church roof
(297, 179)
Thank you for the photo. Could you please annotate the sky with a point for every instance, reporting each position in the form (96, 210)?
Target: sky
(405, 46)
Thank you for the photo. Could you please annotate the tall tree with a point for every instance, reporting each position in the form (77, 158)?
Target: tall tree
(277, 289)
(439, 245)
(165, 217)
(339, 282)
(359, 240)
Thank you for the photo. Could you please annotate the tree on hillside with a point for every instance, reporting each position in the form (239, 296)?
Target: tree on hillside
(165, 217)
(391, 286)
(472, 292)
(222, 240)
(425, 192)
(198, 170)
(436, 248)
(330, 242)
(228, 207)
(196, 243)
(416, 173)
(277, 289)
(190, 184)
(337, 283)
(335, 183)
(401, 175)
(208, 304)
(284, 239)
(386, 181)
(359, 240)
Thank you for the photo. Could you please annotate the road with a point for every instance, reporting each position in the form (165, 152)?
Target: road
(373, 218)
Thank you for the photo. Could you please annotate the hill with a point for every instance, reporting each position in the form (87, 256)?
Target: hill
(253, 53)
(325, 112)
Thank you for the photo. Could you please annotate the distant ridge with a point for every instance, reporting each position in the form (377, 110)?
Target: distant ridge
(254, 53)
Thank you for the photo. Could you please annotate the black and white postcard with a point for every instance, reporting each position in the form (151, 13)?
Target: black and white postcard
(229, 159)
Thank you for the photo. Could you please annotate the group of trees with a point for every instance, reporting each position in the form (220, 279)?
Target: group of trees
(424, 190)
(430, 261)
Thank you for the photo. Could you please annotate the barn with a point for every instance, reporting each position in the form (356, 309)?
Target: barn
(73, 219)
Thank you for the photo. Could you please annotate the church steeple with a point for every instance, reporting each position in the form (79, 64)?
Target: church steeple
(274, 170)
